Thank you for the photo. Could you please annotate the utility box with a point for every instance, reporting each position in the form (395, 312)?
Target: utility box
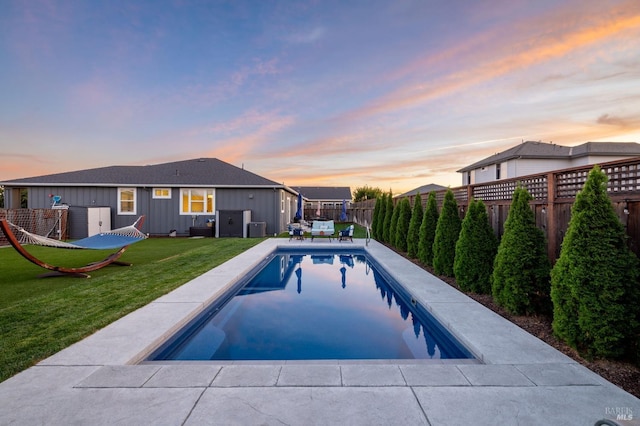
(203, 231)
(232, 223)
(257, 229)
(87, 221)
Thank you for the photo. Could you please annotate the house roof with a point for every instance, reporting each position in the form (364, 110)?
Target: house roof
(313, 193)
(527, 149)
(195, 172)
(542, 150)
(424, 189)
(606, 148)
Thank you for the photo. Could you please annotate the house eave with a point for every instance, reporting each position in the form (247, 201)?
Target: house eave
(141, 185)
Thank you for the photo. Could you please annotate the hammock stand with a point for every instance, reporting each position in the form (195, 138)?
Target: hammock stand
(119, 238)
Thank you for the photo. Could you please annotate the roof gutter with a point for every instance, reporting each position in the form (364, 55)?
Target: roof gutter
(142, 185)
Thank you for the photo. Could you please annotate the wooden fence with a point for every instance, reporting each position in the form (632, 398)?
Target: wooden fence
(327, 213)
(553, 196)
(47, 222)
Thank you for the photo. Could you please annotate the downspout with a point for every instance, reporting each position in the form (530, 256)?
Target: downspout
(276, 224)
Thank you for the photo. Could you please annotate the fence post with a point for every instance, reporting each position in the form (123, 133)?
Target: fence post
(550, 219)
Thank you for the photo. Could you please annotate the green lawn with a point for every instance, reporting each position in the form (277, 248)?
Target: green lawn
(41, 316)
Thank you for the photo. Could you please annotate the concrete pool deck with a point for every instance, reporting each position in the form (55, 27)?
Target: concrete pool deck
(517, 379)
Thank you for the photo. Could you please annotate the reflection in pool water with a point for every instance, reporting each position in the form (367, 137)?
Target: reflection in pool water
(315, 306)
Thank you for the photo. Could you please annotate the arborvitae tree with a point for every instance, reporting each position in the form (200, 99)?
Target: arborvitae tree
(383, 215)
(595, 282)
(394, 225)
(428, 230)
(404, 219)
(475, 251)
(447, 232)
(388, 214)
(520, 280)
(378, 211)
(413, 237)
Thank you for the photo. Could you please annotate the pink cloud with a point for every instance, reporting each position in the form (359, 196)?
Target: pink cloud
(259, 129)
(39, 31)
(494, 54)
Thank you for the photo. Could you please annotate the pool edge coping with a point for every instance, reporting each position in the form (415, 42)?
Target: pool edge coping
(132, 338)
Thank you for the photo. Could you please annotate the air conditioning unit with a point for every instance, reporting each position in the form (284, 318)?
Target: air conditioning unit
(257, 229)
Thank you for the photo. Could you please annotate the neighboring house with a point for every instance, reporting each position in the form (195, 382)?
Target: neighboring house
(424, 191)
(530, 158)
(325, 197)
(181, 196)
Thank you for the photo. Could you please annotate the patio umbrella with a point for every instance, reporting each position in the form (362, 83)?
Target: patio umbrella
(298, 215)
(299, 275)
(343, 215)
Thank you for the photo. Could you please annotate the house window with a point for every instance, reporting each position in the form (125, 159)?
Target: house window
(126, 201)
(497, 171)
(197, 201)
(162, 193)
(281, 201)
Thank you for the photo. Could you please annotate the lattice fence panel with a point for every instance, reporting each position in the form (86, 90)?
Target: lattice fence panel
(503, 190)
(622, 179)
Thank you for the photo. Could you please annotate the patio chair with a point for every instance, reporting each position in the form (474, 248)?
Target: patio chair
(297, 233)
(322, 228)
(346, 233)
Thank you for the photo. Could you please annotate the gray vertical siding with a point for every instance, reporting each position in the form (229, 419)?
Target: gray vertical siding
(163, 215)
(263, 203)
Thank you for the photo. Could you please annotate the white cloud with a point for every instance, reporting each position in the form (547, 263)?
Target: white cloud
(307, 37)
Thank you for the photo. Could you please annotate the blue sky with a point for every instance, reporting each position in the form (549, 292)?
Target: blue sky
(394, 94)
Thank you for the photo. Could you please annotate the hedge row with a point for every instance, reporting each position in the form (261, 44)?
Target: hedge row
(593, 291)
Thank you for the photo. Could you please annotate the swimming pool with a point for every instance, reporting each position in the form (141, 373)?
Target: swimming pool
(313, 305)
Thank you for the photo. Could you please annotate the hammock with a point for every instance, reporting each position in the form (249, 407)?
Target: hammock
(119, 239)
(113, 239)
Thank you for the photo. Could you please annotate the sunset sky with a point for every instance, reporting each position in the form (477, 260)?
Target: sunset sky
(392, 94)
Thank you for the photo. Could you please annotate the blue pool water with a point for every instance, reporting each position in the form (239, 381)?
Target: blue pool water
(314, 305)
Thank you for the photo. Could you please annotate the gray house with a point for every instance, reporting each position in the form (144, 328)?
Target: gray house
(423, 190)
(204, 196)
(325, 197)
(530, 158)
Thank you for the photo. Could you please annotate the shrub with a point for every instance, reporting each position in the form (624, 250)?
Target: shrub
(388, 213)
(378, 216)
(428, 230)
(594, 283)
(402, 229)
(475, 251)
(520, 281)
(447, 232)
(413, 237)
(394, 225)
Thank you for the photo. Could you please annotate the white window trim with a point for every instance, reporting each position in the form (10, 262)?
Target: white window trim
(135, 201)
(189, 213)
(161, 197)
(281, 201)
